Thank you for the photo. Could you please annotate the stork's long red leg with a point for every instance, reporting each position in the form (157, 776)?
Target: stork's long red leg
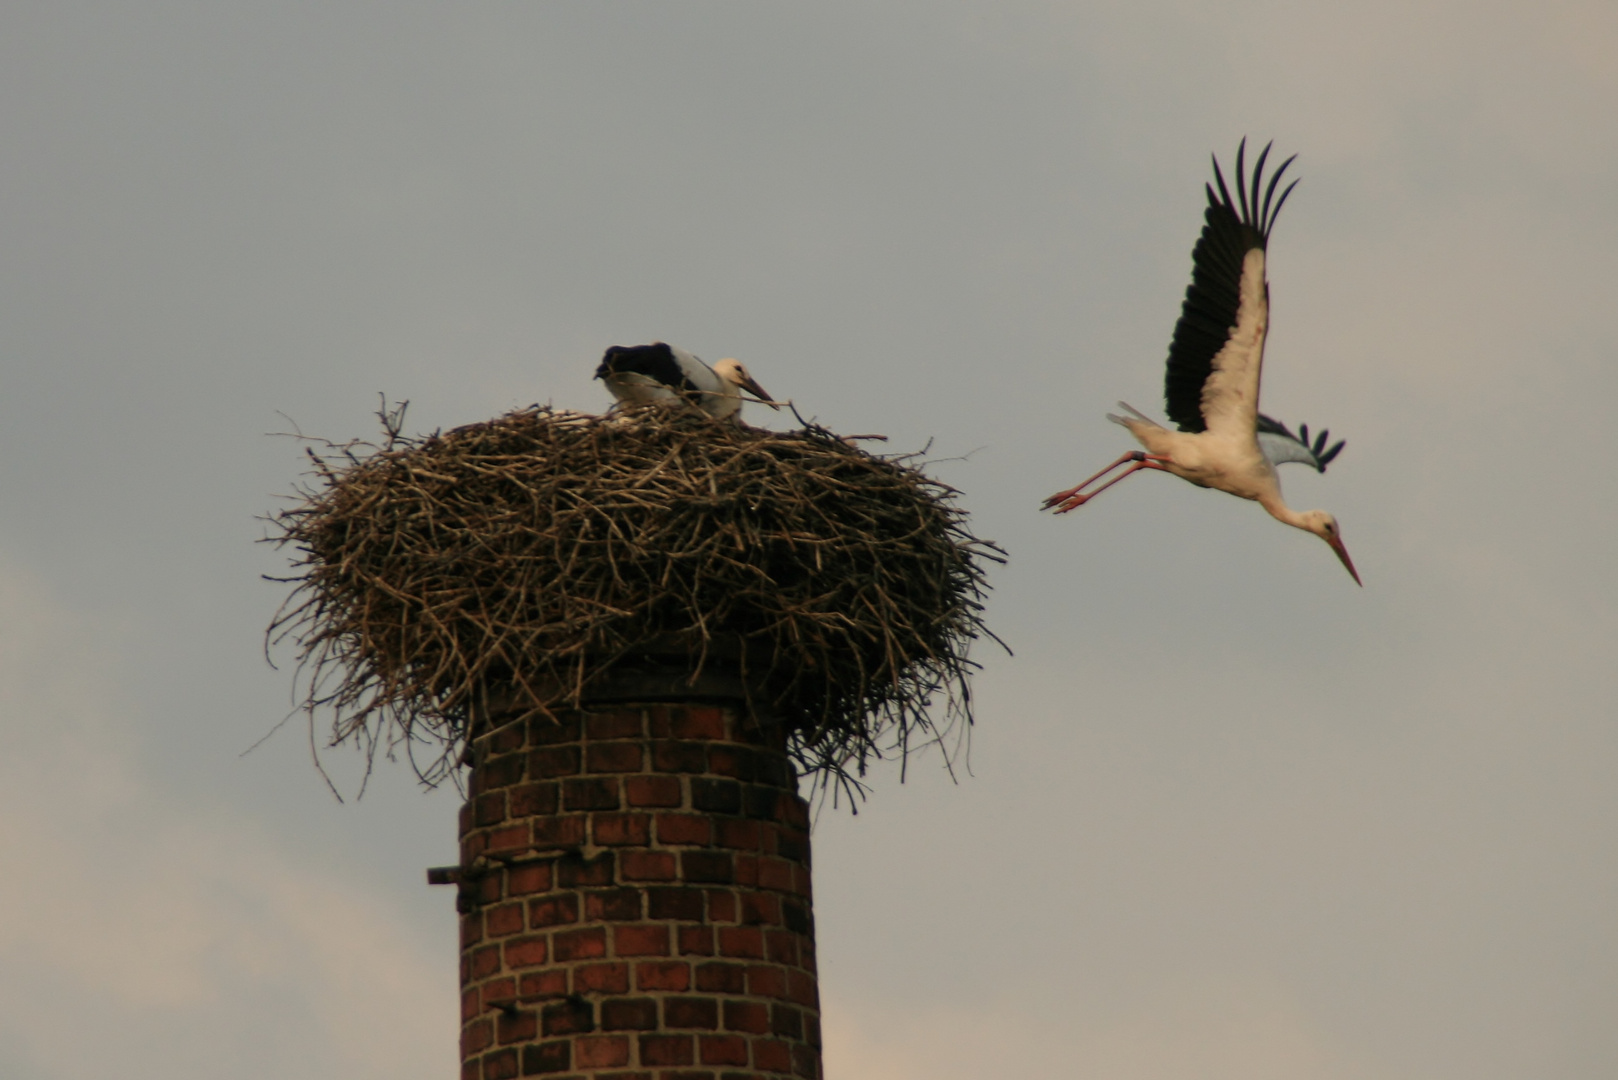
(1063, 501)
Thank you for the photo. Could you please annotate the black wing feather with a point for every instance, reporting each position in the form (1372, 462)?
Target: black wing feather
(1323, 455)
(1231, 228)
(655, 361)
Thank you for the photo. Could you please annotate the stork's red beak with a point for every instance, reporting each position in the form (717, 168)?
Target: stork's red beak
(758, 391)
(1342, 553)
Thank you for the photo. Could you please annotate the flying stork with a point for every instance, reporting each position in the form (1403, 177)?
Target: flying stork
(641, 374)
(1212, 384)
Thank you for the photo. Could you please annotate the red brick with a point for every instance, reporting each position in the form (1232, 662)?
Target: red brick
(614, 757)
(805, 1062)
(648, 866)
(789, 844)
(485, 961)
(721, 978)
(629, 1014)
(772, 1055)
(611, 829)
(500, 1065)
(795, 812)
(491, 808)
(722, 1049)
(477, 1037)
(684, 828)
(570, 1016)
(548, 1057)
(802, 989)
(667, 1050)
(471, 1070)
(503, 920)
(532, 878)
(471, 929)
(781, 946)
(761, 909)
(559, 832)
(525, 952)
(473, 845)
(762, 801)
(742, 941)
(574, 870)
(691, 1012)
(518, 1027)
(531, 800)
(646, 940)
(679, 757)
(662, 975)
(737, 833)
(786, 1021)
(557, 910)
(498, 992)
(593, 793)
(747, 870)
(512, 836)
(776, 874)
(549, 731)
(471, 1004)
(612, 905)
(587, 944)
(716, 795)
(708, 866)
(736, 762)
(601, 979)
(696, 940)
(464, 818)
(721, 906)
(621, 724)
(653, 790)
(749, 1016)
(554, 761)
(682, 904)
(487, 890)
(766, 981)
(796, 917)
(697, 722)
(508, 738)
(600, 1051)
(536, 985)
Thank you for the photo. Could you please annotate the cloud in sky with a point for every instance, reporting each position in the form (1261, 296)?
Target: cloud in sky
(1228, 815)
(179, 936)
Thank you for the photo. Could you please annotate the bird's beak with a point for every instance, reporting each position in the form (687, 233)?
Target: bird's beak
(1342, 553)
(758, 391)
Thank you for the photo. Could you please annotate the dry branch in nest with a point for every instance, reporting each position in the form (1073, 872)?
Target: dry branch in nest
(532, 552)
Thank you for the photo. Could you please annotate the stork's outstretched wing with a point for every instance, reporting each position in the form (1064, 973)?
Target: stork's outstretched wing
(1279, 445)
(1217, 352)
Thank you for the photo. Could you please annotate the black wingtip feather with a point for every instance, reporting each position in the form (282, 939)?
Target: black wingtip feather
(1241, 178)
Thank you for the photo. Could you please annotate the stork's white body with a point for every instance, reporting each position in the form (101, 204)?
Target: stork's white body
(1215, 367)
(644, 374)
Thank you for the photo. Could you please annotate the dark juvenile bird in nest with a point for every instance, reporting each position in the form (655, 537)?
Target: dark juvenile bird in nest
(641, 374)
(1212, 383)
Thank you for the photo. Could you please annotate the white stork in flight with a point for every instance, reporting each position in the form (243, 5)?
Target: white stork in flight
(1215, 360)
(642, 374)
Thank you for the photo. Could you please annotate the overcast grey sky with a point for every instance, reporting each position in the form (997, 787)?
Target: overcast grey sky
(1229, 817)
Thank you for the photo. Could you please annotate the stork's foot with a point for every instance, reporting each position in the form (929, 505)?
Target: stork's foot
(1075, 497)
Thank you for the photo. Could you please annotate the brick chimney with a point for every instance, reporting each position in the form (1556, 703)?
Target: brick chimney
(634, 897)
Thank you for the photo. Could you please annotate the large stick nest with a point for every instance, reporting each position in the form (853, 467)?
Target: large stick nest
(533, 552)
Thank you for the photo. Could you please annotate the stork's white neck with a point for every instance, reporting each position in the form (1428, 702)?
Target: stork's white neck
(1280, 511)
